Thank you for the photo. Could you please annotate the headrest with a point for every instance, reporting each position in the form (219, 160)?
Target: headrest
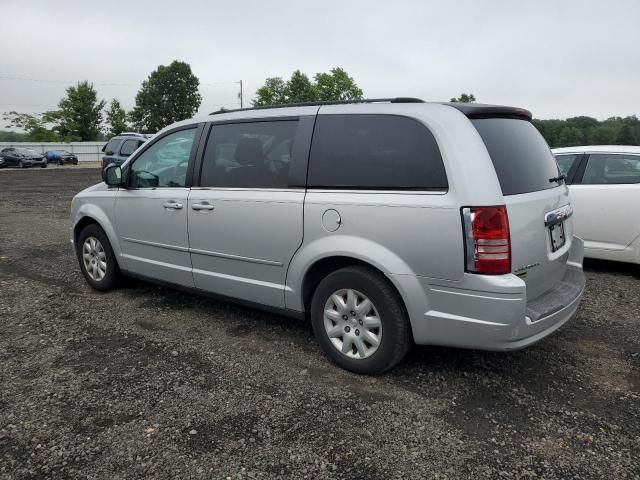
(249, 152)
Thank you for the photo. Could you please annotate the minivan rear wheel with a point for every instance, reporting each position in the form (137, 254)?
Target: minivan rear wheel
(96, 258)
(360, 321)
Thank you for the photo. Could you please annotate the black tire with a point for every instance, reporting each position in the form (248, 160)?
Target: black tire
(75, 163)
(20, 164)
(112, 273)
(61, 162)
(396, 331)
(43, 165)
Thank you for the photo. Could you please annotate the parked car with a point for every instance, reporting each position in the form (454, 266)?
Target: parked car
(21, 157)
(120, 147)
(402, 221)
(60, 157)
(605, 189)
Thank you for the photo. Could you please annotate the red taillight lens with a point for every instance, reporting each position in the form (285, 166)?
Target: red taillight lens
(487, 241)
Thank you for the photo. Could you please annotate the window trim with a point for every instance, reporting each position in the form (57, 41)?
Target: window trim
(380, 190)
(579, 177)
(198, 127)
(299, 151)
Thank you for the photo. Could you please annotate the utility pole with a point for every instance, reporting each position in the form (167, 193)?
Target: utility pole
(240, 95)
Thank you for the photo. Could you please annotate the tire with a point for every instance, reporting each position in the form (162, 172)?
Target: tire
(20, 164)
(61, 162)
(111, 274)
(43, 166)
(387, 310)
(75, 163)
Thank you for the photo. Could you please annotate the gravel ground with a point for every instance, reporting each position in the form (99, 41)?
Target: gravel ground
(146, 381)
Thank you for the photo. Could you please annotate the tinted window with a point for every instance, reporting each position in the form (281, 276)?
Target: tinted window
(374, 152)
(129, 146)
(521, 157)
(164, 164)
(252, 155)
(565, 163)
(606, 169)
(112, 146)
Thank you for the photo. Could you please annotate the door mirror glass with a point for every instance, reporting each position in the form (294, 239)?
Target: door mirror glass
(113, 176)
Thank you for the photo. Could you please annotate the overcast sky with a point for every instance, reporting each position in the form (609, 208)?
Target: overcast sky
(557, 58)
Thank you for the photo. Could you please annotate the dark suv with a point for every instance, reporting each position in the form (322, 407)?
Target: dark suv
(120, 147)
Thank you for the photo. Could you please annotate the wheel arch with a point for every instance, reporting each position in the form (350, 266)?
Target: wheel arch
(88, 214)
(319, 258)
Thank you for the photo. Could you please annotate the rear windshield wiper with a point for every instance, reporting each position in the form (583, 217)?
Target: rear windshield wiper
(558, 179)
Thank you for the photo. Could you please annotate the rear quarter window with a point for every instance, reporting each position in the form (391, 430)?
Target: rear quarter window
(374, 152)
(112, 146)
(521, 157)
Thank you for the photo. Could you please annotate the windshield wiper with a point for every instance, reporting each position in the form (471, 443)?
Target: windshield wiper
(558, 179)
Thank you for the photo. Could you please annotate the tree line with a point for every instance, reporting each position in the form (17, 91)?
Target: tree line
(170, 94)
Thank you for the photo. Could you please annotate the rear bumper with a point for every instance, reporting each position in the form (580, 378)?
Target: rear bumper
(494, 314)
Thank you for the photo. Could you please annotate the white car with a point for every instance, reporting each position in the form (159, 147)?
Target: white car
(604, 182)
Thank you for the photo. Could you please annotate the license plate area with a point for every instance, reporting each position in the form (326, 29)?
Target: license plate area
(557, 236)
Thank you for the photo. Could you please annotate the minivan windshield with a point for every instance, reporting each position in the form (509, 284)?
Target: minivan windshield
(520, 155)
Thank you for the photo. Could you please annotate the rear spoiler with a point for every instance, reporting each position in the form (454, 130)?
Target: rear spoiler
(479, 110)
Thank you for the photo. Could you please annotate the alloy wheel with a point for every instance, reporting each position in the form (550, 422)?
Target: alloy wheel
(94, 258)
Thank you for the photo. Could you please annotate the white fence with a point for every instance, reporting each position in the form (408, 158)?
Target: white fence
(85, 151)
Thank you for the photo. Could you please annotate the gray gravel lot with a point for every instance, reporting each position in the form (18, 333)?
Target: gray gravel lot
(146, 381)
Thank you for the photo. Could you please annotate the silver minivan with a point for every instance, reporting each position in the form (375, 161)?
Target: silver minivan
(384, 222)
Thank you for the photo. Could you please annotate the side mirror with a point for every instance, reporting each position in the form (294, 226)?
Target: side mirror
(113, 176)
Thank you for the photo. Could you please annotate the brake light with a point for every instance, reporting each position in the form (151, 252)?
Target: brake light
(487, 240)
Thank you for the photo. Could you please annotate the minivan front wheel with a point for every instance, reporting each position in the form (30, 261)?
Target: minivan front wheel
(359, 320)
(96, 258)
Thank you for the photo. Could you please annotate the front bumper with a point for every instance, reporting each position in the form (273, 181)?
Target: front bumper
(498, 316)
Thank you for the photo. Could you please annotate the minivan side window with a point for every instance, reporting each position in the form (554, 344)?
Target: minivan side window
(565, 162)
(612, 169)
(128, 147)
(374, 152)
(164, 164)
(249, 155)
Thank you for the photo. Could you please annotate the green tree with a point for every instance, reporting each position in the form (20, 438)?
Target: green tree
(571, 136)
(602, 135)
(11, 136)
(273, 92)
(336, 85)
(169, 95)
(625, 136)
(80, 113)
(299, 89)
(464, 98)
(35, 126)
(116, 119)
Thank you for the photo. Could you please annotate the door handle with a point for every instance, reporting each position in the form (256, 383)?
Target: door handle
(172, 205)
(202, 206)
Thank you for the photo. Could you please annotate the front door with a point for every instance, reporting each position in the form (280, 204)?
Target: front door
(151, 214)
(245, 220)
(605, 201)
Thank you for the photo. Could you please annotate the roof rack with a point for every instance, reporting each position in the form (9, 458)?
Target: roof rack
(337, 102)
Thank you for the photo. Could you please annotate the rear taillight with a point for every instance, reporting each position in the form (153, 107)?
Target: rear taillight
(487, 241)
